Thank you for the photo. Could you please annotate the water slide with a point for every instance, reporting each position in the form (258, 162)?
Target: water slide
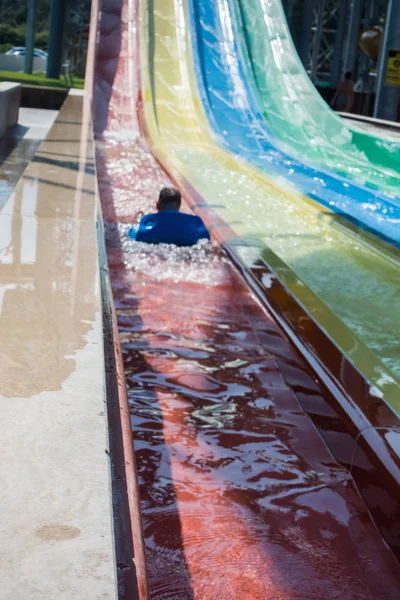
(295, 111)
(338, 266)
(227, 95)
(254, 483)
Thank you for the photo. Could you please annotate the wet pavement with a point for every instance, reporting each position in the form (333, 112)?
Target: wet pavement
(19, 145)
(56, 535)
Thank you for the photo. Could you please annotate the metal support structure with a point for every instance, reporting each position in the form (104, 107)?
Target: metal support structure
(388, 96)
(353, 36)
(289, 12)
(338, 47)
(372, 12)
(306, 30)
(56, 38)
(30, 36)
(330, 35)
(319, 46)
(318, 29)
(364, 84)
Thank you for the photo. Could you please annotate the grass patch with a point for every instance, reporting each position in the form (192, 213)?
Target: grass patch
(40, 80)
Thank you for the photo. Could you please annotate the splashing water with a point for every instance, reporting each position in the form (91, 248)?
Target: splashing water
(203, 263)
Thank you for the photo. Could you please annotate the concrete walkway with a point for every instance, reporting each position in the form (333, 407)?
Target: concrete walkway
(56, 537)
(19, 144)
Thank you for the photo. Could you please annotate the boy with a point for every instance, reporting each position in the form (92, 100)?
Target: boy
(168, 225)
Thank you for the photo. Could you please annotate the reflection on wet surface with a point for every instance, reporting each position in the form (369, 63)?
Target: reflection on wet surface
(15, 155)
(54, 471)
(19, 145)
(47, 293)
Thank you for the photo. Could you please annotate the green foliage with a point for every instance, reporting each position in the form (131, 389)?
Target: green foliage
(13, 15)
(5, 48)
(42, 39)
(11, 35)
(21, 14)
(39, 80)
(13, 23)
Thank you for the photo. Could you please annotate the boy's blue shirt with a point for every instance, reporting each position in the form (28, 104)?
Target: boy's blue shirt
(170, 227)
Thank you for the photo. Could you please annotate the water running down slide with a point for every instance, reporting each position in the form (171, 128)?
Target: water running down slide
(233, 113)
(297, 114)
(240, 496)
(357, 284)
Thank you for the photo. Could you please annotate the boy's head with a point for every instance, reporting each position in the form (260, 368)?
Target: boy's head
(169, 199)
(348, 76)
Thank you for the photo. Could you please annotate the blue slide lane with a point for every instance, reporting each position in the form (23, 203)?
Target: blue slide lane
(233, 115)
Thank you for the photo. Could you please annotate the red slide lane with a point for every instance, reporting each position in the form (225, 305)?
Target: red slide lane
(240, 496)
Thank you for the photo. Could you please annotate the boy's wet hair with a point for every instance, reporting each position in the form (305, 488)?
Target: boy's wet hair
(169, 196)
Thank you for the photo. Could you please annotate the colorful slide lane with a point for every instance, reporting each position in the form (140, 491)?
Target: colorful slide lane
(241, 497)
(234, 115)
(354, 281)
(295, 111)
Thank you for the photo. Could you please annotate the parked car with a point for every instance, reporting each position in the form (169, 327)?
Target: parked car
(21, 51)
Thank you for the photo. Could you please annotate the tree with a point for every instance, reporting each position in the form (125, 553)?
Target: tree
(13, 21)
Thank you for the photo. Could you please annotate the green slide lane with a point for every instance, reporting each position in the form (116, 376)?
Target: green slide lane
(300, 119)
